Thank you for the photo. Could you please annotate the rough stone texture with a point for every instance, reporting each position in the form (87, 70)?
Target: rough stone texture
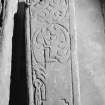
(6, 50)
(91, 51)
(51, 62)
(49, 32)
(52, 44)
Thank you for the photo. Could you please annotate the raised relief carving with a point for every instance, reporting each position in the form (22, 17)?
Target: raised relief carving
(50, 44)
(49, 10)
(38, 69)
(39, 84)
(62, 102)
(54, 11)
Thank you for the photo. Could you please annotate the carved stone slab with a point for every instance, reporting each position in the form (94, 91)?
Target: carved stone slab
(51, 52)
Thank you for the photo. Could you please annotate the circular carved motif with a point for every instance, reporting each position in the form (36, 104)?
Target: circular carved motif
(51, 44)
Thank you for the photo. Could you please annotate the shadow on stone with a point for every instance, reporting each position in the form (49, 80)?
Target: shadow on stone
(18, 87)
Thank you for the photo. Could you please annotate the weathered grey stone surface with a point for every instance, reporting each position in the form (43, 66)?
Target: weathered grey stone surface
(91, 51)
(56, 32)
(6, 50)
(52, 41)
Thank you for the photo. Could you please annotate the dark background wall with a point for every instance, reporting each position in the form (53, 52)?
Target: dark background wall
(18, 88)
